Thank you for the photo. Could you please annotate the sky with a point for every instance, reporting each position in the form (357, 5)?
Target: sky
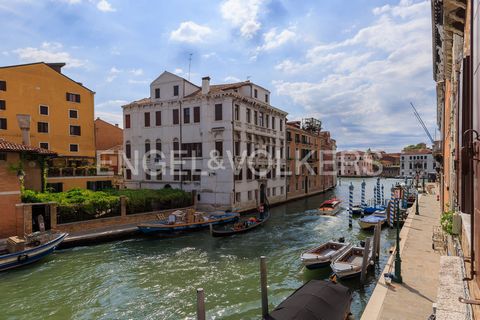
(354, 64)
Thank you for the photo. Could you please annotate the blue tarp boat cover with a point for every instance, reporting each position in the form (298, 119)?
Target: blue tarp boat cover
(315, 300)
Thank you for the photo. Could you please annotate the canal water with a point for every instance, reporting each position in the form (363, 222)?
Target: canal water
(151, 278)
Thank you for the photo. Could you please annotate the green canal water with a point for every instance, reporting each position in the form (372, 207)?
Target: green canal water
(152, 278)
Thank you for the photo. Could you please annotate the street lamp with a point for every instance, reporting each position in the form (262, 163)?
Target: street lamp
(416, 203)
(397, 277)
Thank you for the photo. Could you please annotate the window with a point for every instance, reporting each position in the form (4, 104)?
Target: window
(146, 118)
(196, 114)
(281, 125)
(190, 150)
(218, 112)
(249, 115)
(148, 176)
(249, 195)
(281, 190)
(44, 145)
(73, 114)
(274, 191)
(147, 146)
(157, 93)
(176, 148)
(75, 131)
(176, 175)
(3, 123)
(187, 175)
(42, 127)
(186, 115)
(73, 147)
(55, 187)
(237, 112)
(255, 117)
(249, 174)
(128, 150)
(158, 118)
(3, 156)
(196, 175)
(73, 97)
(266, 98)
(255, 93)
(219, 148)
(127, 121)
(44, 110)
(273, 123)
(128, 174)
(237, 148)
(159, 174)
(267, 120)
(3, 85)
(2, 105)
(176, 119)
(238, 197)
(175, 91)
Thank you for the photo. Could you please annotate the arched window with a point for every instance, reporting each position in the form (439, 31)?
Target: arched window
(147, 146)
(128, 150)
(176, 148)
(158, 148)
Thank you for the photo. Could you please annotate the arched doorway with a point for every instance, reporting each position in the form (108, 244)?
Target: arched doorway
(263, 193)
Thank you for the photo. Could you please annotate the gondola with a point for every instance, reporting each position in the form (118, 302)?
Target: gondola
(242, 226)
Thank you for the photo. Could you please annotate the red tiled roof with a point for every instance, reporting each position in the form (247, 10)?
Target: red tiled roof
(7, 146)
(218, 88)
(417, 151)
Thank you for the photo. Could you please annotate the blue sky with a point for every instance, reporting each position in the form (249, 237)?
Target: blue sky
(354, 64)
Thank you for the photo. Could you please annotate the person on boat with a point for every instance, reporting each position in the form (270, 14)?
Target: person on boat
(261, 209)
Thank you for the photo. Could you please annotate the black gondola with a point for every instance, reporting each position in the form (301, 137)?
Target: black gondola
(241, 226)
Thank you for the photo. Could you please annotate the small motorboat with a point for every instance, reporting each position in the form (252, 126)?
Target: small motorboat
(323, 255)
(317, 299)
(20, 251)
(349, 263)
(188, 220)
(243, 225)
(357, 209)
(330, 207)
(372, 209)
(372, 220)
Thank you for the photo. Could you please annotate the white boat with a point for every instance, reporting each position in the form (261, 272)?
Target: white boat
(330, 207)
(372, 220)
(349, 263)
(323, 255)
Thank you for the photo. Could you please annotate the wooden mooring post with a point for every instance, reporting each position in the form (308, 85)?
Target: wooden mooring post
(201, 315)
(376, 241)
(263, 286)
(366, 260)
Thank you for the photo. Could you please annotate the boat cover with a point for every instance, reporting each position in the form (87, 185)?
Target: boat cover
(315, 300)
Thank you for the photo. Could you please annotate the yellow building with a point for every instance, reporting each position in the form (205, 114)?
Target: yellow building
(42, 107)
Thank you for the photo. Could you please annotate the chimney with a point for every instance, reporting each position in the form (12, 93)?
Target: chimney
(116, 125)
(24, 124)
(205, 85)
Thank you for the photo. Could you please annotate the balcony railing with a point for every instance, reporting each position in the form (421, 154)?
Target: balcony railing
(73, 172)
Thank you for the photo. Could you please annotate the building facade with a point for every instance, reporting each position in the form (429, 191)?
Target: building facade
(42, 107)
(355, 164)
(390, 163)
(109, 151)
(310, 158)
(198, 138)
(417, 163)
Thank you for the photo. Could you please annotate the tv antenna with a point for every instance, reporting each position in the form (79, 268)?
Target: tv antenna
(189, 64)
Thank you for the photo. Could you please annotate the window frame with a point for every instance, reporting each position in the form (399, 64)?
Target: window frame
(70, 115)
(196, 114)
(218, 112)
(127, 119)
(146, 119)
(38, 127)
(40, 106)
(73, 126)
(176, 90)
(5, 121)
(158, 118)
(74, 144)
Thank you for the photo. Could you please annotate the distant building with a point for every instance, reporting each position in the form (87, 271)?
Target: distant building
(42, 107)
(355, 164)
(188, 123)
(306, 141)
(109, 148)
(390, 163)
(419, 162)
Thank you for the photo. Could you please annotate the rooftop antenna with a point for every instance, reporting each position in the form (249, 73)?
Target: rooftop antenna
(189, 64)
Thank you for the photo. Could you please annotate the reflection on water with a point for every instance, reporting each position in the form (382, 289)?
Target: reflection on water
(156, 278)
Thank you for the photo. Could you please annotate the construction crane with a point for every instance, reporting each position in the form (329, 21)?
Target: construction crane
(415, 112)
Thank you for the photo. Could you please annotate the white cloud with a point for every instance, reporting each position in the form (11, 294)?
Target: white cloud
(369, 79)
(243, 14)
(273, 40)
(133, 81)
(48, 52)
(190, 32)
(113, 73)
(109, 104)
(231, 79)
(112, 117)
(209, 55)
(137, 72)
(105, 6)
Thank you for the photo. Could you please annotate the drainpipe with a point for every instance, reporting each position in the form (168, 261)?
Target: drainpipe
(472, 203)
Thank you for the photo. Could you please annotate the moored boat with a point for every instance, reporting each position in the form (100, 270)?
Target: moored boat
(349, 263)
(330, 207)
(188, 220)
(21, 251)
(324, 254)
(243, 225)
(372, 220)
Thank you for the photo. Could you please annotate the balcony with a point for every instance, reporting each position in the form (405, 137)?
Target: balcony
(73, 172)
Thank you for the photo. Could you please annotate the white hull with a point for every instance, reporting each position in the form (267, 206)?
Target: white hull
(349, 264)
(323, 255)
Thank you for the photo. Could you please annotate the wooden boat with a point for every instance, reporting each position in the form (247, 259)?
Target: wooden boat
(245, 224)
(187, 221)
(357, 209)
(349, 263)
(21, 251)
(372, 220)
(330, 207)
(323, 255)
(317, 299)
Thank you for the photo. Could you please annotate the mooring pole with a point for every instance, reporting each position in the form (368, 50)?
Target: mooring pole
(383, 196)
(366, 261)
(391, 207)
(362, 200)
(379, 234)
(375, 196)
(263, 285)
(350, 205)
(201, 304)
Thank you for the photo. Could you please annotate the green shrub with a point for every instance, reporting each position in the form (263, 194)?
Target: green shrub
(447, 221)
